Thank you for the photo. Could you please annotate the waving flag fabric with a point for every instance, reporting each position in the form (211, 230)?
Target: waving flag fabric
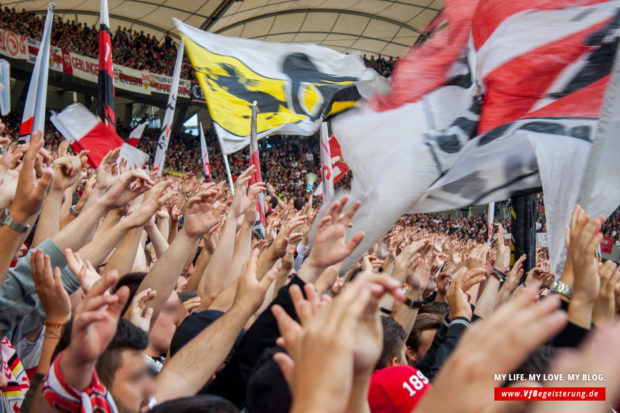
(33, 118)
(136, 134)
(166, 126)
(295, 85)
(514, 111)
(105, 86)
(87, 132)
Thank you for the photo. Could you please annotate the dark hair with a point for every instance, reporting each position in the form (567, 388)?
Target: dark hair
(196, 404)
(423, 322)
(127, 337)
(536, 363)
(273, 201)
(131, 280)
(267, 390)
(436, 307)
(394, 337)
(298, 203)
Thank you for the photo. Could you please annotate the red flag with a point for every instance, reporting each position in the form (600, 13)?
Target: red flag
(105, 86)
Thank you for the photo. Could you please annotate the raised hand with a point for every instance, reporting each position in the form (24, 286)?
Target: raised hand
(84, 271)
(584, 239)
(52, 294)
(349, 327)
(67, 171)
(31, 192)
(329, 245)
(139, 313)
(188, 184)
(154, 199)
(457, 296)
(250, 291)
(605, 305)
(200, 217)
(107, 174)
(493, 346)
(126, 188)
(284, 238)
(95, 320)
(245, 197)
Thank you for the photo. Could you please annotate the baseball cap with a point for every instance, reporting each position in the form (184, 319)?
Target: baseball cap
(396, 389)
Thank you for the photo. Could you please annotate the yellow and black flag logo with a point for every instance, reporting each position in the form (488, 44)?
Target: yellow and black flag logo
(292, 98)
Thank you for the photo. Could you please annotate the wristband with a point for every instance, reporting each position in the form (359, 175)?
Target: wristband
(500, 276)
(11, 223)
(53, 325)
(413, 303)
(384, 310)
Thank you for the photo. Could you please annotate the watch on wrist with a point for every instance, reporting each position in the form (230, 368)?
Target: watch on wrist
(561, 288)
(11, 223)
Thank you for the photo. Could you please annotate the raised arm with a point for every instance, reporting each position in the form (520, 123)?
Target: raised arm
(67, 171)
(189, 370)
(26, 204)
(199, 219)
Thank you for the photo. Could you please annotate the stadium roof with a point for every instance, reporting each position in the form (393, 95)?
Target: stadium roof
(386, 27)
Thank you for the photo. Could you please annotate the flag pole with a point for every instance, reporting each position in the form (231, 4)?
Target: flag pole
(490, 218)
(327, 176)
(228, 174)
(166, 127)
(33, 118)
(255, 160)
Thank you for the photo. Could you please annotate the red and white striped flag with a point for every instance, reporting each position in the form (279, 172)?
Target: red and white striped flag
(33, 118)
(511, 105)
(105, 86)
(206, 168)
(87, 132)
(261, 223)
(136, 134)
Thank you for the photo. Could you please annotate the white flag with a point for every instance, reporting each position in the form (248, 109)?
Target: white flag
(164, 137)
(33, 118)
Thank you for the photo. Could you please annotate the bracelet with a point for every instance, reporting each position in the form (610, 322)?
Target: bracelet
(414, 303)
(11, 223)
(500, 276)
(384, 310)
(73, 211)
(53, 325)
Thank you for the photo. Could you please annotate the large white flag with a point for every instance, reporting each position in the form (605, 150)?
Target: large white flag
(33, 118)
(166, 127)
(295, 85)
(516, 111)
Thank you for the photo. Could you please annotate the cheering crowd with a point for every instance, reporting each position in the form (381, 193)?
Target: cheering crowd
(130, 48)
(125, 292)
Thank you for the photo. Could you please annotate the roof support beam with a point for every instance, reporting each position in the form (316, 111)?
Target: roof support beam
(299, 11)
